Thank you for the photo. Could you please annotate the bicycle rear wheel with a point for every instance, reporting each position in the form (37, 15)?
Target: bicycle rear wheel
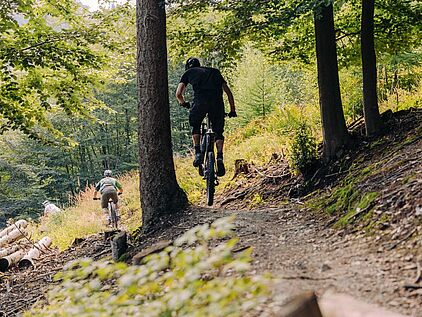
(113, 216)
(210, 178)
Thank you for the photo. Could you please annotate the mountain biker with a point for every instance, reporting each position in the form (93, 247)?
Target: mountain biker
(208, 85)
(109, 188)
(50, 208)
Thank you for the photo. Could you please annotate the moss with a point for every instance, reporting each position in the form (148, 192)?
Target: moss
(341, 199)
(256, 201)
(355, 208)
(376, 143)
(366, 200)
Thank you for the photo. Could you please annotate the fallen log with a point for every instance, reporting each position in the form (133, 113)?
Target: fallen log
(11, 259)
(12, 236)
(21, 224)
(33, 254)
(9, 250)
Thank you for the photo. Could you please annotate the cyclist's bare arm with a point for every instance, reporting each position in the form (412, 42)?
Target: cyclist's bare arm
(179, 93)
(229, 96)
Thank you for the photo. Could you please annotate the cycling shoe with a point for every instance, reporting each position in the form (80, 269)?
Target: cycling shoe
(221, 170)
(198, 159)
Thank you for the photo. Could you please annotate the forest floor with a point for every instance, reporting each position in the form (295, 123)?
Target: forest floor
(354, 227)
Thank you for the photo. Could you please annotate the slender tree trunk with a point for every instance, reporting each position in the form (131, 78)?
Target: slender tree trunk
(334, 130)
(160, 193)
(369, 70)
(127, 133)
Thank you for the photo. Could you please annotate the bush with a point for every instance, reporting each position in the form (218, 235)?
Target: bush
(189, 278)
(303, 151)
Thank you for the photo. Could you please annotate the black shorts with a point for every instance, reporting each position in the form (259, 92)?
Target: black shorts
(215, 110)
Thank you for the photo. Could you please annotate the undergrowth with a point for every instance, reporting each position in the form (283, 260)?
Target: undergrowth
(192, 277)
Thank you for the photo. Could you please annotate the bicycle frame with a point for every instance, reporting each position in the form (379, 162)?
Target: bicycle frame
(208, 167)
(207, 137)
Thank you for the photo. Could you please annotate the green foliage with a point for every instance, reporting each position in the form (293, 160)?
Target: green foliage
(58, 172)
(20, 190)
(53, 55)
(193, 277)
(303, 151)
(260, 86)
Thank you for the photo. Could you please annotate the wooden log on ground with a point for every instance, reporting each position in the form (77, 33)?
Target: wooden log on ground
(32, 255)
(305, 305)
(118, 246)
(21, 224)
(11, 259)
(340, 305)
(12, 236)
(9, 250)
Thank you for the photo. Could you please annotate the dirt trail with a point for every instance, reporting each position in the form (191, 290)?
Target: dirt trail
(288, 242)
(304, 254)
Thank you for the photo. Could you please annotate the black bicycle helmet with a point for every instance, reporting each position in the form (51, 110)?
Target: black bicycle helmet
(192, 62)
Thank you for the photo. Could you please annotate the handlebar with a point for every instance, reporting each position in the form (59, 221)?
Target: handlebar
(96, 198)
(230, 114)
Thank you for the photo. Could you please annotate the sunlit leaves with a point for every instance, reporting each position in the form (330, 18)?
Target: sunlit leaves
(54, 55)
(198, 280)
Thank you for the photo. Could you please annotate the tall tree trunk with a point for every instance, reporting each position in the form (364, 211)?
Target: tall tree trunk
(160, 193)
(369, 70)
(334, 129)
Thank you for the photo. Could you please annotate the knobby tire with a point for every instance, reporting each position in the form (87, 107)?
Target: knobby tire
(210, 178)
(113, 216)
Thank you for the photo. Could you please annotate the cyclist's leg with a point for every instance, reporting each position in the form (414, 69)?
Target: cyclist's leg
(115, 198)
(105, 196)
(217, 120)
(196, 115)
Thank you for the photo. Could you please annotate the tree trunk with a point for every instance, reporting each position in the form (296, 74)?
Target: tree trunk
(160, 193)
(369, 70)
(334, 130)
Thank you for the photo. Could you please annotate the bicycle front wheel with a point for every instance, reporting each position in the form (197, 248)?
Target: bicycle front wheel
(210, 178)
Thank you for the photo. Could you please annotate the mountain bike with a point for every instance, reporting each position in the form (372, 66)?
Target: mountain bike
(208, 168)
(112, 213)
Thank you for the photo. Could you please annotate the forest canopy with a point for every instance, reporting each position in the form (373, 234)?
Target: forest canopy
(68, 83)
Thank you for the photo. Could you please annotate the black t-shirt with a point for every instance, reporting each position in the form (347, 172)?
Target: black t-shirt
(207, 82)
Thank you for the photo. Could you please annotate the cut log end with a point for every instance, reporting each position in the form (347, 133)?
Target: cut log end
(25, 263)
(4, 265)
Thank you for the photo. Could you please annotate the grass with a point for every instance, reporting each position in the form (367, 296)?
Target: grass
(86, 217)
